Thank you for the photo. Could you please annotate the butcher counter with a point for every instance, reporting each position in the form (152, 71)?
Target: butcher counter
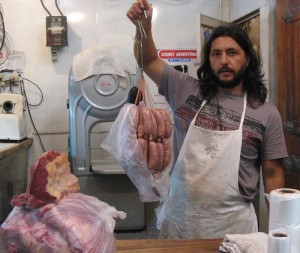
(168, 246)
(14, 161)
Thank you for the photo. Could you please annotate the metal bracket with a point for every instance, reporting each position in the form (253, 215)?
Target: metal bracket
(292, 163)
(290, 128)
(288, 17)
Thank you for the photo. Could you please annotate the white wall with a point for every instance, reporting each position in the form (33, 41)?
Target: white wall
(100, 22)
(239, 8)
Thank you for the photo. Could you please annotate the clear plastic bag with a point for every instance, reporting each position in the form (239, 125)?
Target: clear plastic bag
(77, 223)
(122, 143)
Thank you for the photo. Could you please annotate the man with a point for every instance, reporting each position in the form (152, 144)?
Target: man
(224, 131)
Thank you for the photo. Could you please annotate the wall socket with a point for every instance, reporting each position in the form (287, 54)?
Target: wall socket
(56, 27)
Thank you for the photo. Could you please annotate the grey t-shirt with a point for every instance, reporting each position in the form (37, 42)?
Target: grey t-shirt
(263, 137)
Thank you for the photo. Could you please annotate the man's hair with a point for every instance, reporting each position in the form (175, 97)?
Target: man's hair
(253, 77)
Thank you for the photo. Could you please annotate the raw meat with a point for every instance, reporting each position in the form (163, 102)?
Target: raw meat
(50, 180)
(131, 149)
(23, 232)
(76, 223)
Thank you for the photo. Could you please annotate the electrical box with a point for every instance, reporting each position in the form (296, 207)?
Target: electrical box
(56, 31)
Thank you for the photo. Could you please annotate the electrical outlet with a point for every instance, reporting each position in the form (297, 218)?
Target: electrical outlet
(56, 27)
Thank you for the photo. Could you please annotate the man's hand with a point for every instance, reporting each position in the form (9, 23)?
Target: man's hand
(140, 14)
(141, 10)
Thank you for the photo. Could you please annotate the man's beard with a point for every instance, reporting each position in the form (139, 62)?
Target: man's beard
(237, 78)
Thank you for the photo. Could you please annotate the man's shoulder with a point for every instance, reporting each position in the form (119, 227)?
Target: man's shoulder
(265, 107)
(264, 113)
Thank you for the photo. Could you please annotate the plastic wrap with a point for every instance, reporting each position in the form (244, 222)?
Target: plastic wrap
(122, 143)
(77, 223)
(279, 242)
(285, 214)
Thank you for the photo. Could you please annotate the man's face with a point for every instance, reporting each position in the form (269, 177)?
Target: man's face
(228, 62)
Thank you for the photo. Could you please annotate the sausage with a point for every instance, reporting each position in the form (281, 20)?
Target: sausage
(160, 156)
(168, 123)
(167, 153)
(152, 155)
(144, 146)
(153, 134)
(148, 123)
(146, 117)
(160, 125)
(135, 117)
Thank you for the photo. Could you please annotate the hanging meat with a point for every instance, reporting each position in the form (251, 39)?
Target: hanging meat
(139, 139)
(154, 130)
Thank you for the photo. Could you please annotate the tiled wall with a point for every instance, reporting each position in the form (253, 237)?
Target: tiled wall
(59, 141)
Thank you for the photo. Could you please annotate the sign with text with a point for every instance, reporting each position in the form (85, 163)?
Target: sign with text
(177, 55)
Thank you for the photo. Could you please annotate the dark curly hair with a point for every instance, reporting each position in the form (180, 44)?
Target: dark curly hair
(253, 81)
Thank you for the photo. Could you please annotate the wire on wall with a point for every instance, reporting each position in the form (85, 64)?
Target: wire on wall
(42, 96)
(49, 13)
(2, 29)
(42, 2)
(29, 112)
(5, 39)
(56, 4)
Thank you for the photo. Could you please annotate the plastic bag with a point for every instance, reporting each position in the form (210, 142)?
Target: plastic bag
(122, 143)
(77, 223)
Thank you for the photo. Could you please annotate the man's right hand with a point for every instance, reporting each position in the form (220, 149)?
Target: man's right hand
(141, 10)
(140, 13)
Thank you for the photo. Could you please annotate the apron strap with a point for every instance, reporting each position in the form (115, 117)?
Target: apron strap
(243, 113)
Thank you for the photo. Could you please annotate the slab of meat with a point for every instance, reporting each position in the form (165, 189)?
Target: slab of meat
(50, 180)
(23, 232)
(76, 223)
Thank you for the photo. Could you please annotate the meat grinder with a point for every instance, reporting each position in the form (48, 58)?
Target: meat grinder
(99, 83)
(13, 125)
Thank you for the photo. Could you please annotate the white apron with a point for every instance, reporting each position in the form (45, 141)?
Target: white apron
(204, 199)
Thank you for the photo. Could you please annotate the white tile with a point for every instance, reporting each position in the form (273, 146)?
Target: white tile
(106, 155)
(96, 128)
(105, 126)
(95, 140)
(59, 141)
(96, 154)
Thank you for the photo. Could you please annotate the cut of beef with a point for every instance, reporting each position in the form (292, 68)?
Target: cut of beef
(53, 217)
(76, 223)
(50, 180)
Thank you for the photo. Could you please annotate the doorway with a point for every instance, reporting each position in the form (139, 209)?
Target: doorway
(288, 69)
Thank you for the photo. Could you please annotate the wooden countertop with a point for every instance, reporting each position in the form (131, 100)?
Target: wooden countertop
(9, 148)
(168, 246)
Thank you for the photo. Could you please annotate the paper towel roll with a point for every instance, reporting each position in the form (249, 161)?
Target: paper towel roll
(285, 214)
(279, 242)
